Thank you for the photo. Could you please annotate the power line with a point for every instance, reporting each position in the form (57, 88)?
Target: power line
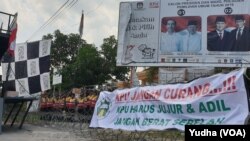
(71, 4)
(59, 12)
(74, 3)
(87, 13)
(98, 6)
(46, 23)
(56, 15)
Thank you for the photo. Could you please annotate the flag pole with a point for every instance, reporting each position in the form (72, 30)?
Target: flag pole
(131, 77)
(81, 24)
(76, 116)
(80, 30)
(79, 44)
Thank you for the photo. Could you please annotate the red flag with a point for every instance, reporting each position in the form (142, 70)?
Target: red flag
(12, 39)
(81, 25)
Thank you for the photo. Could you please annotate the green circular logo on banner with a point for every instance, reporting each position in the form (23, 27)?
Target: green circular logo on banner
(103, 108)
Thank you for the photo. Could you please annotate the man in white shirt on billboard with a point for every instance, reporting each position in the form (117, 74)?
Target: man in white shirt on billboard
(170, 40)
(191, 41)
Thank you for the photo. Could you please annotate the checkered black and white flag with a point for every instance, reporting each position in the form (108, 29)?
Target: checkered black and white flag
(29, 70)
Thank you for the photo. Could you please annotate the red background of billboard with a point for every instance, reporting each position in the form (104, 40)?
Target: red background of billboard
(181, 23)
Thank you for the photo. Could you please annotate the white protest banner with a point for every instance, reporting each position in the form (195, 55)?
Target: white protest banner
(216, 100)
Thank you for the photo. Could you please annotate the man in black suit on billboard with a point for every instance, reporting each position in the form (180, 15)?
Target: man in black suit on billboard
(240, 37)
(218, 40)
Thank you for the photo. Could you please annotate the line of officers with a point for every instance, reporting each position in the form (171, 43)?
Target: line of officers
(70, 102)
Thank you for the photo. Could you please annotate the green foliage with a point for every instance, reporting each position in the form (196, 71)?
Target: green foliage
(64, 48)
(151, 72)
(91, 67)
(109, 51)
(81, 63)
(85, 70)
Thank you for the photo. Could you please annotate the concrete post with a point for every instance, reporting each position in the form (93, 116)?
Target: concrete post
(1, 113)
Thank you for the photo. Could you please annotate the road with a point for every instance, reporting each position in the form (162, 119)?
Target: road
(38, 133)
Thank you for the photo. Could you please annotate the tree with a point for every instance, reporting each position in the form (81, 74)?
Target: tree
(151, 72)
(81, 63)
(89, 67)
(64, 48)
(109, 53)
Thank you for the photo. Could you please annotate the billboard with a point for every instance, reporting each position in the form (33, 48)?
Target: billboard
(184, 33)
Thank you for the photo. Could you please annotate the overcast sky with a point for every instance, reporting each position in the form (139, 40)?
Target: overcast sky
(100, 21)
